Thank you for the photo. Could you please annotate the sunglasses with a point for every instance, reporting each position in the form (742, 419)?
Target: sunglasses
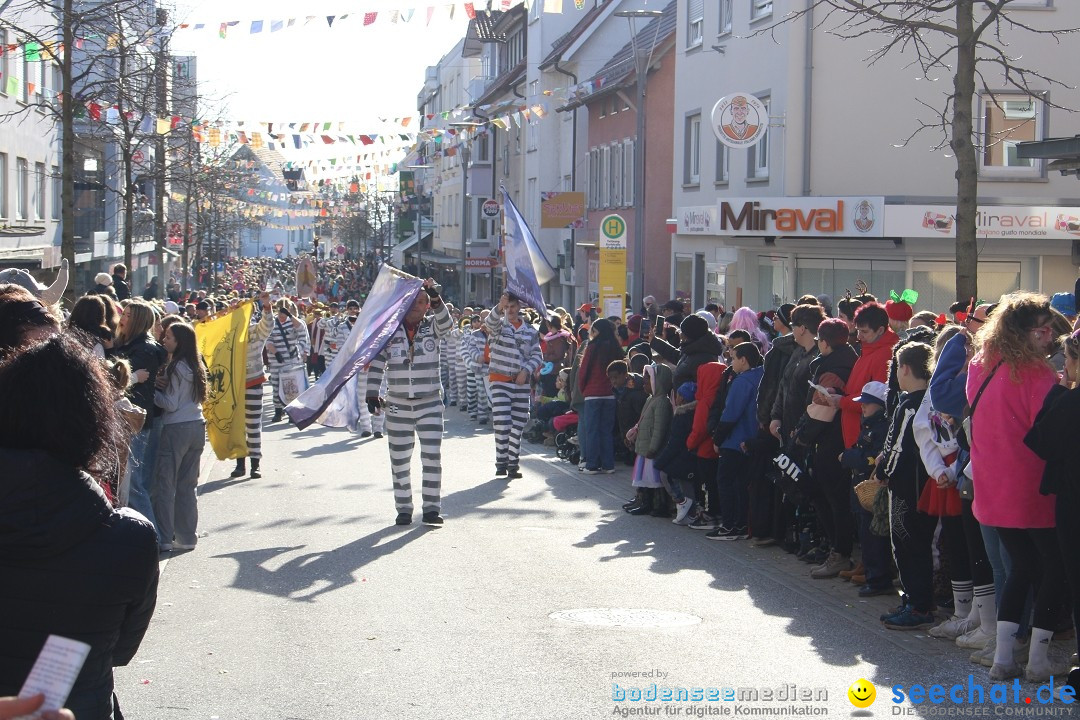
(971, 318)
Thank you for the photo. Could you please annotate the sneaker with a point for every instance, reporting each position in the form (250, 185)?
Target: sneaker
(873, 590)
(1005, 672)
(377, 435)
(954, 627)
(512, 473)
(590, 471)
(722, 533)
(858, 579)
(608, 471)
(403, 519)
(573, 440)
(909, 619)
(899, 609)
(688, 519)
(1055, 667)
(831, 567)
(976, 639)
(255, 474)
(581, 466)
(183, 546)
(718, 532)
(705, 522)
(985, 656)
(762, 542)
(432, 519)
(682, 510)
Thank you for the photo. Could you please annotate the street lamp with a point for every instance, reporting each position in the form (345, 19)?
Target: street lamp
(465, 151)
(642, 60)
(419, 218)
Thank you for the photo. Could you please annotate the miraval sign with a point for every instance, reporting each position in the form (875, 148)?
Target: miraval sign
(787, 217)
(1016, 222)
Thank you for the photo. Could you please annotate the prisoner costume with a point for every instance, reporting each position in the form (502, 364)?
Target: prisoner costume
(292, 342)
(330, 342)
(514, 349)
(258, 331)
(462, 363)
(410, 364)
(477, 368)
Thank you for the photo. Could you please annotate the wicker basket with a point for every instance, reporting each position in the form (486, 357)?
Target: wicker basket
(867, 492)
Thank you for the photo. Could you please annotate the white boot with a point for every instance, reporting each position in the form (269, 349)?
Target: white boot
(962, 620)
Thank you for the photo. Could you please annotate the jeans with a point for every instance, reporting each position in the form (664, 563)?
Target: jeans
(599, 425)
(733, 488)
(141, 466)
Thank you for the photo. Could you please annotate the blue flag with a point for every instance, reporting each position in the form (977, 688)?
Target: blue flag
(324, 402)
(526, 267)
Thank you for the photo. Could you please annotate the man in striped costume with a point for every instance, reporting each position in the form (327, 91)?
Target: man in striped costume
(464, 327)
(413, 403)
(261, 325)
(515, 359)
(448, 353)
(286, 348)
(331, 342)
(477, 354)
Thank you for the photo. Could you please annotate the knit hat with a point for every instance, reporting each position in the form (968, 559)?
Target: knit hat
(784, 313)
(1064, 303)
(171, 307)
(708, 317)
(103, 278)
(687, 391)
(633, 323)
(693, 327)
(898, 310)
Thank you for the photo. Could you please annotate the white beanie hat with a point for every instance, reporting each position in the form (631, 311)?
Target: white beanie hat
(103, 278)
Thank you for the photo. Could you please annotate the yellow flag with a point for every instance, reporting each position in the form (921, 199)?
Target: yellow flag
(223, 343)
(163, 126)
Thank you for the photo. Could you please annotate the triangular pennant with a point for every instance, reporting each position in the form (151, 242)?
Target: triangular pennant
(330, 20)
(369, 18)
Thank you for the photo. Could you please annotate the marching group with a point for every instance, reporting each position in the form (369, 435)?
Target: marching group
(852, 441)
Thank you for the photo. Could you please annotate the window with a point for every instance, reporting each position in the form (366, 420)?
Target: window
(695, 19)
(5, 62)
(628, 172)
(760, 9)
(24, 88)
(1004, 121)
(57, 192)
(725, 17)
(594, 174)
(39, 195)
(617, 172)
(758, 156)
(692, 150)
(604, 179)
(723, 155)
(481, 149)
(22, 189)
(3, 185)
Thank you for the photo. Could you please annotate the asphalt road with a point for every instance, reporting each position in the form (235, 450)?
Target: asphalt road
(304, 601)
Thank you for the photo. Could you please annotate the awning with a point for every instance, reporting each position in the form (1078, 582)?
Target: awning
(440, 258)
(397, 253)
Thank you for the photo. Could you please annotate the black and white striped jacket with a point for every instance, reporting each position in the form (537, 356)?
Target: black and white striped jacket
(512, 349)
(411, 372)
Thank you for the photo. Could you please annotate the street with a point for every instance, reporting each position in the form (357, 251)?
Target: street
(304, 601)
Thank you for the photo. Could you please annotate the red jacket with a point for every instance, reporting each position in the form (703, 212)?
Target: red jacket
(873, 364)
(700, 441)
(597, 383)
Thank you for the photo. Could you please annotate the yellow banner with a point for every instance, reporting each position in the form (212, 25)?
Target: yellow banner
(612, 280)
(223, 344)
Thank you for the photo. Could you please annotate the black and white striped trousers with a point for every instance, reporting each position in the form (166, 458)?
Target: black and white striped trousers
(253, 411)
(407, 419)
(509, 414)
(463, 385)
(450, 383)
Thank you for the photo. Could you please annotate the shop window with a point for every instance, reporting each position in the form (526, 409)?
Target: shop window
(836, 277)
(772, 283)
(936, 281)
(1004, 121)
(683, 286)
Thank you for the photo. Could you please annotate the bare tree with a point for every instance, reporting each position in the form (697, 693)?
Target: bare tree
(969, 39)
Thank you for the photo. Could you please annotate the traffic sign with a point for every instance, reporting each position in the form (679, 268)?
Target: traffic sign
(340, 249)
(137, 156)
(490, 209)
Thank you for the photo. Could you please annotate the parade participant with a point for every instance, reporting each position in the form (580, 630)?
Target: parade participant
(262, 323)
(450, 352)
(515, 358)
(330, 342)
(464, 327)
(476, 355)
(286, 349)
(413, 406)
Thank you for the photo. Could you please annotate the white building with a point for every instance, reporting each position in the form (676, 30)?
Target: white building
(30, 202)
(851, 201)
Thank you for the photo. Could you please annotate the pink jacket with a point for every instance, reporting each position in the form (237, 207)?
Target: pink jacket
(1006, 474)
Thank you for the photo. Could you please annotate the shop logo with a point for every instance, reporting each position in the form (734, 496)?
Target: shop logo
(864, 216)
(697, 220)
(862, 693)
(739, 120)
(938, 221)
(1067, 223)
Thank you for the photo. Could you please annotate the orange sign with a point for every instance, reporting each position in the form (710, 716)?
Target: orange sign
(559, 210)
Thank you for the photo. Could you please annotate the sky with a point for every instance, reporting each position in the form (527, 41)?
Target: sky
(312, 72)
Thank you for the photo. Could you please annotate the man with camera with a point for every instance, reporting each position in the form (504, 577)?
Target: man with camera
(286, 349)
(413, 402)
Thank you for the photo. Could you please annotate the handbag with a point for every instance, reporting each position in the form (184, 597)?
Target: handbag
(867, 492)
(291, 383)
(787, 471)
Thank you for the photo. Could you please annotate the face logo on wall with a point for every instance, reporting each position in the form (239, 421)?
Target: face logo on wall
(864, 216)
(739, 120)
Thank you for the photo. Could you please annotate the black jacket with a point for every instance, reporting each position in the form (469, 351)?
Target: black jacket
(120, 286)
(775, 361)
(71, 566)
(902, 465)
(675, 459)
(629, 402)
(790, 402)
(860, 458)
(1053, 438)
(689, 356)
(827, 434)
(143, 354)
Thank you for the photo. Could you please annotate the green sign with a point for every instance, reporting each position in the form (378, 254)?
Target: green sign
(613, 227)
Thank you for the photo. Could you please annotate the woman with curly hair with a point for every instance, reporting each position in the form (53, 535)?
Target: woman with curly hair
(1008, 380)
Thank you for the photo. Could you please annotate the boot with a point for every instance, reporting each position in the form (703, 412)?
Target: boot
(832, 567)
(277, 415)
(857, 570)
(255, 468)
(241, 468)
(647, 502)
(635, 502)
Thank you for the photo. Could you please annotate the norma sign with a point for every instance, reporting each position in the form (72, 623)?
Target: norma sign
(490, 209)
(480, 264)
(739, 120)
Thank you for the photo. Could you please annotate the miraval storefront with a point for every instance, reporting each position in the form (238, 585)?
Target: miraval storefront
(762, 251)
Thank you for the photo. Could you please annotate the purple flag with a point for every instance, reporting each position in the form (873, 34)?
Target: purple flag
(526, 267)
(390, 298)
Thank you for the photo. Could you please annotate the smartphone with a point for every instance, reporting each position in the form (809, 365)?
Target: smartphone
(643, 331)
(659, 324)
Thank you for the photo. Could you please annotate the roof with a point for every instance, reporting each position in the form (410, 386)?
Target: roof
(619, 70)
(566, 40)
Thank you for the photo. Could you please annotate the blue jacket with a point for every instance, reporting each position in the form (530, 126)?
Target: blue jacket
(948, 386)
(740, 409)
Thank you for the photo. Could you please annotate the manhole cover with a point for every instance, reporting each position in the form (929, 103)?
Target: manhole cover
(625, 617)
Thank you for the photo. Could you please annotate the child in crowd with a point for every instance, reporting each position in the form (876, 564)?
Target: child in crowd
(650, 436)
(675, 462)
(903, 469)
(710, 377)
(861, 459)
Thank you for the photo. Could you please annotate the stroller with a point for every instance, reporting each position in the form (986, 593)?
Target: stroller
(566, 445)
